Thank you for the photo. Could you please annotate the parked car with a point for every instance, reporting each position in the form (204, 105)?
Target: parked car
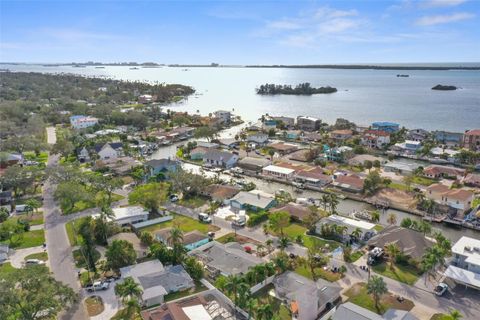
(21, 208)
(203, 217)
(173, 198)
(239, 221)
(440, 289)
(97, 286)
(31, 262)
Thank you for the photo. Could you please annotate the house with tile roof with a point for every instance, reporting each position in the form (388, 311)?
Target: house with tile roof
(460, 200)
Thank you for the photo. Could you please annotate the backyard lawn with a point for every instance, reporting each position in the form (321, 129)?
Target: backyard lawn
(28, 239)
(294, 230)
(84, 205)
(186, 224)
(279, 309)
(327, 275)
(358, 295)
(405, 274)
(199, 287)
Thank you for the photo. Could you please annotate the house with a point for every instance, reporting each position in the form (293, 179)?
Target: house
(341, 135)
(198, 153)
(253, 164)
(305, 123)
(402, 168)
(157, 281)
(140, 249)
(296, 211)
(465, 267)
(10, 159)
(222, 159)
(145, 98)
(283, 148)
(82, 122)
(471, 140)
(156, 166)
(338, 154)
(229, 143)
(225, 259)
(120, 166)
(458, 200)
(409, 147)
(191, 240)
(5, 197)
(278, 172)
(351, 311)
(306, 298)
(110, 150)
(450, 139)
(220, 193)
(349, 183)
(360, 160)
(367, 228)
(375, 139)
(311, 137)
(472, 179)
(412, 243)
(291, 134)
(206, 305)
(444, 155)
(437, 172)
(259, 138)
(313, 176)
(4, 251)
(83, 155)
(225, 116)
(124, 216)
(207, 145)
(389, 127)
(254, 200)
(287, 121)
(417, 135)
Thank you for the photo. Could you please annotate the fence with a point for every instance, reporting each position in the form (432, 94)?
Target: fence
(261, 285)
(151, 222)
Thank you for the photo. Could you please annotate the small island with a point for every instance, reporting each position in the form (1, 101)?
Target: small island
(444, 88)
(299, 89)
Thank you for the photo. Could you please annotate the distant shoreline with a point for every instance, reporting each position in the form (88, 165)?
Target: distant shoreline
(363, 67)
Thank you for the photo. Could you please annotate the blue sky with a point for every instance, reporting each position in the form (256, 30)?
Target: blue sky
(241, 32)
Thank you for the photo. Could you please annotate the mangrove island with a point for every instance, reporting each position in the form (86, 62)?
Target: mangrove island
(299, 89)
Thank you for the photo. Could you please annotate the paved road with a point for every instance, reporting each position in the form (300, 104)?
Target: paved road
(58, 246)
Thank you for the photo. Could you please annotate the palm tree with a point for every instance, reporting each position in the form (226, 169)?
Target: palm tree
(106, 213)
(128, 289)
(243, 294)
(265, 312)
(325, 200)
(455, 314)
(269, 244)
(231, 285)
(132, 308)
(333, 202)
(283, 243)
(250, 306)
(425, 227)
(341, 230)
(269, 269)
(428, 264)
(375, 216)
(260, 272)
(260, 249)
(393, 251)
(175, 239)
(392, 219)
(265, 229)
(356, 234)
(376, 286)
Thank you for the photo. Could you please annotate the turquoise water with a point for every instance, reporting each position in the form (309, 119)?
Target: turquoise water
(364, 95)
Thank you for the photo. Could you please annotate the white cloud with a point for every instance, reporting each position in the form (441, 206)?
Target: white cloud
(338, 25)
(284, 25)
(330, 13)
(441, 3)
(441, 19)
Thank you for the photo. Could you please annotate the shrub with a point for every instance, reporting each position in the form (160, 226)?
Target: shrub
(257, 218)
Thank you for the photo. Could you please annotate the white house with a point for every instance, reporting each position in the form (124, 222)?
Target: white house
(109, 150)
(367, 228)
(217, 158)
(278, 172)
(225, 116)
(465, 268)
(459, 199)
(260, 138)
(375, 139)
(82, 122)
(129, 215)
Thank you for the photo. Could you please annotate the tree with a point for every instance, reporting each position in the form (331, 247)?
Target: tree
(4, 214)
(375, 215)
(425, 227)
(356, 234)
(393, 251)
(32, 293)
(33, 203)
(372, 182)
(347, 253)
(455, 314)
(368, 165)
(205, 132)
(187, 183)
(377, 287)
(146, 238)
(69, 193)
(149, 195)
(376, 164)
(250, 306)
(265, 312)
(406, 223)
(408, 180)
(175, 239)
(128, 289)
(106, 213)
(120, 254)
(231, 285)
(279, 220)
(194, 268)
(63, 147)
(392, 219)
(333, 202)
(160, 251)
(283, 243)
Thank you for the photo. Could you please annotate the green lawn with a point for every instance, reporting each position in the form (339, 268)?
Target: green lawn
(199, 287)
(358, 295)
(355, 256)
(193, 202)
(84, 205)
(294, 230)
(40, 256)
(475, 202)
(80, 260)
(28, 239)
(405, 274)
(398, 186)
(423, 181)
(230, 237)
(378, 227)
(123, 315)
(71, 234)
(441, 316)
(34, 219)
(279, 308)
(320, 273)
(312, 241)
(5, 269)
(42, 157)
(186, 224)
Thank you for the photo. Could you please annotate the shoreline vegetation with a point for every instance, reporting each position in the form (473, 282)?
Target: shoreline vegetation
(444, 87)
(299, 89)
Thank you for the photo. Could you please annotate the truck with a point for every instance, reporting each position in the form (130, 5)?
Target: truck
(204, 217)
(97, 286)
(239, 221)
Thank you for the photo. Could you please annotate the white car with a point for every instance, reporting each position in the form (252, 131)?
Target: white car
(440, 289)
(97, 286)
(31, 262)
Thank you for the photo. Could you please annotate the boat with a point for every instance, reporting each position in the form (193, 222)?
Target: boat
(99, 67)
(363, 215)
(134, 68)
(403, 75)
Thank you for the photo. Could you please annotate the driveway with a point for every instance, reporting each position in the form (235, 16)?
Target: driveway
(110, 302)
(51, 135)
(17, 259)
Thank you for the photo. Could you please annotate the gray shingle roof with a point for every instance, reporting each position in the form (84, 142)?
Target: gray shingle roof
(217, 155)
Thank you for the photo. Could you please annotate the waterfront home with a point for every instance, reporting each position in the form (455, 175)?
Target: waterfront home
(198, 153)
(401, 168)
(471, 140)
(82, 122)
(465, 267)
(221, 159)
(283, 148)
(312, 176)
(259, 138)
(305, 298)
(225, 259)
(124, 216)
(389, 127)
(472, 179)
(297, 211)
(457, 200)
(224, 116)
(145, 98)
(409, 147)
(278, 172)
(157, 281)
(254, 200)
(442, 154)
(305, 123)
(287, 121)
(417, 135)
(375, 139)
(351, 311)
(360, 160)
(253, 164)
(220, 193)
(157, 166)
(338, 154)
(119, 166)
(436, 172)
(349, 183)
(191, 240)
(140, 249)
(110, 150)
(449, 139)
(341, 135)
(208, 145)
(83, 155)
(290, 134)
(311, 137)
(367, 228)
(410, 242)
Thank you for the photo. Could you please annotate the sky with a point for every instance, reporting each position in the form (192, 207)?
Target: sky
(241, 32)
